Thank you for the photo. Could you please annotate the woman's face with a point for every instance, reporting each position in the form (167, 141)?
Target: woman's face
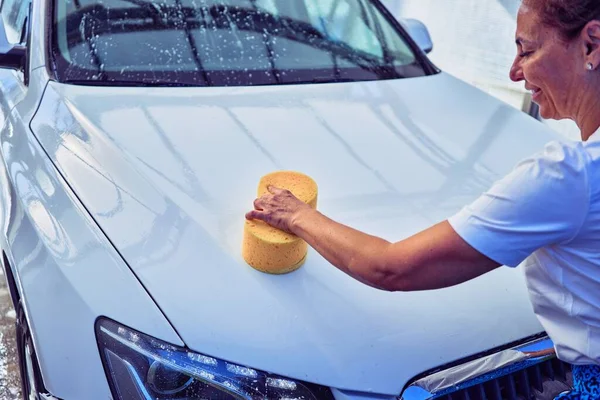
(553, 69)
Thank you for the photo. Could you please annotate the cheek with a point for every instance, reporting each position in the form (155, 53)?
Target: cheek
(550, 79)
(552, 72)
(537, 73)
(557, 91)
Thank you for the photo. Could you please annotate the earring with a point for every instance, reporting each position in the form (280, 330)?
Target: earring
(590, 66)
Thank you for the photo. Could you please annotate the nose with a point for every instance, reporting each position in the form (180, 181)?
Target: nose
(516, 72)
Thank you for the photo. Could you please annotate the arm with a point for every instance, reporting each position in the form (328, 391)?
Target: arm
(545, 200)
(434, 258)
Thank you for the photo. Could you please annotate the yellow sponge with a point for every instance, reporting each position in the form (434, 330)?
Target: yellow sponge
(271, 250)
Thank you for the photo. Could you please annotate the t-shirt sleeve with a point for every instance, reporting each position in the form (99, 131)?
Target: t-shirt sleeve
(543, 201)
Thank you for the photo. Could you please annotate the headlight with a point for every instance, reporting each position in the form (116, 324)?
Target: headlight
(140, 367)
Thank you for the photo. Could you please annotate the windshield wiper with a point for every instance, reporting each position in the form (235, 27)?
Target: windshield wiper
(254, 20)
(125, 83)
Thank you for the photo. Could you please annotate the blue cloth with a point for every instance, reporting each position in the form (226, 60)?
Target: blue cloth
(586, 383)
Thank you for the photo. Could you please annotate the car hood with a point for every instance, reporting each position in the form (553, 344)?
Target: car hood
(168, 174)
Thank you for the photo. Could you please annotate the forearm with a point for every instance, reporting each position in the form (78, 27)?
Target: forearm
(355, 253)
(434, 258)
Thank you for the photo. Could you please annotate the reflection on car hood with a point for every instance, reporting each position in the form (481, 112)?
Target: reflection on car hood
(168, 174)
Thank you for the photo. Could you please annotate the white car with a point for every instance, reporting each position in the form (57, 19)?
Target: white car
(134, 134)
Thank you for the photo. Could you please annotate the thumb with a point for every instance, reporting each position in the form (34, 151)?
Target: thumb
(255, 214)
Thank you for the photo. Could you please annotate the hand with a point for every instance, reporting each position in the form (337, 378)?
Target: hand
(279, 208)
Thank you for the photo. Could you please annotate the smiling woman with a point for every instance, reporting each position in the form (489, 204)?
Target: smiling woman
(227, 43)
(556, 59)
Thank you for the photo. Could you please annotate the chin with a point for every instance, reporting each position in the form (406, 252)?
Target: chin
(548, 112)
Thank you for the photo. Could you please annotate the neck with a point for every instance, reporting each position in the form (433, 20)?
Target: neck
(588, 115)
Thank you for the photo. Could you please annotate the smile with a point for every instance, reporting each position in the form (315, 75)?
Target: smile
(535, 93)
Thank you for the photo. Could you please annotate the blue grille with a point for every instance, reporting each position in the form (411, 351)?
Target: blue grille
(542, 381)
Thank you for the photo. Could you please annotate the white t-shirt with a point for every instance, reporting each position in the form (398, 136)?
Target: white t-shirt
(546, 212)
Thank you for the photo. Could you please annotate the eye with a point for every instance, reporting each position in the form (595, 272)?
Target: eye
(525, 54)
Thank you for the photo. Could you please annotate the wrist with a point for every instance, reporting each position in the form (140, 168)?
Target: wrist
(299, 219)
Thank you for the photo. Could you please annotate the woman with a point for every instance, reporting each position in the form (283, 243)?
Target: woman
(546, 211)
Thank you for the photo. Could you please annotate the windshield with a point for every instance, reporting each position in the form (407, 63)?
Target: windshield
(227, 42)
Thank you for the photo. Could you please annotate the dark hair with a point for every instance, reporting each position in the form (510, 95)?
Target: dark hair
(568, 16)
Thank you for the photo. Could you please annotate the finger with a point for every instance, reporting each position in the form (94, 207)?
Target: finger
(255, 214)
(258, 204)
(275, 190)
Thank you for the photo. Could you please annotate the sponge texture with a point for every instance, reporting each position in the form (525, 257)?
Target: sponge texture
(271, 250)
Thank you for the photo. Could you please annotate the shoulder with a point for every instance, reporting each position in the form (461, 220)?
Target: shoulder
(559, 169)
(544, 200)
(551, 186)
(558, 160)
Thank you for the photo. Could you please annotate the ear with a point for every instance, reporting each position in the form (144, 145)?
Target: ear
(591, 40)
